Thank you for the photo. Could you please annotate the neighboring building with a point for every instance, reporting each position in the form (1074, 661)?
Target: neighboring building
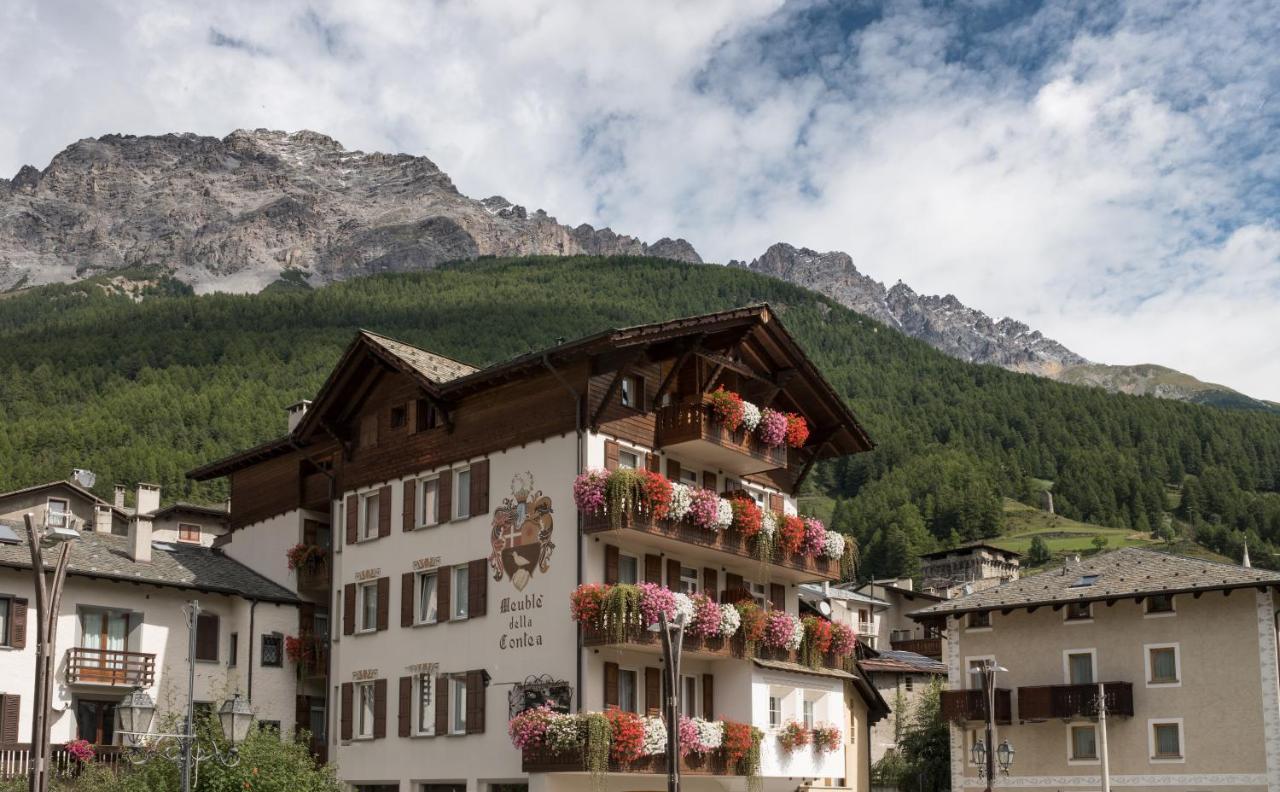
(968, 568)
(857, 610)
(1186, 649)
(448, 490)
(122, 623)
(901, 679)
(894, 627)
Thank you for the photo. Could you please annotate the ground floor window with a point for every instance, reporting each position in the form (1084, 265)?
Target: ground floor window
(448, 787)
(95, 721)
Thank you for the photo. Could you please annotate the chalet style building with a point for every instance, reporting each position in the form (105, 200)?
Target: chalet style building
(1185, 647)
(472, 531)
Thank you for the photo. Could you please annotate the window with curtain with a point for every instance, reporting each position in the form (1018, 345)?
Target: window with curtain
(459, 701)
(427, 598)
(429, 513)
(365, 722)
(462, 496)
(460, 592)
(368, 606)
(369, 515)
(628, 701)
(1168, 740)
(1164, 664)
(1084, 742)
(1080, 666)
(5, 610)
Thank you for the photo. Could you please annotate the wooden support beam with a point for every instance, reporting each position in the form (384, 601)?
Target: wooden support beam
(623, 371)
(711, 379)
(670, 379)
(1111, 602)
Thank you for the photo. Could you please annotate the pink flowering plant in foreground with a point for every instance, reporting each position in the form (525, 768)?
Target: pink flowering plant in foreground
(588, 491)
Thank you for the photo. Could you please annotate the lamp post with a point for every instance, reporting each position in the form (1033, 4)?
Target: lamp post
(672, 641)
(985, 753)
(136, 711)
(48, 601)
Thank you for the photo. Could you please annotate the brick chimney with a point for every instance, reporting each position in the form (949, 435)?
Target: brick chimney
(148, 499)
(102, 519)
(140, 539)
(119, 499)
(296, 411)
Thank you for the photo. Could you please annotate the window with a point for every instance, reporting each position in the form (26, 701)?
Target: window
(1084, 581)
(458, 702)
(689, 476)
(188, 532)
(460, 579)
(628, 569)
(1079, 611)
(757, 593)
(632, 392)
(909, 683)
(399, 417)
(976, 664)
(775, 711)
(206, 637)
(368, 606)
(1166, 740)
(425, 710)
(627, 698)
(1159, 604)
(979, 620)
(688, 580)
(233, 649)
(462, 494)
(1162, 665)
(6, 608)
(1080, 668)
(269, 726)
(58, 511)
(427, 417)
(428, 502)
(1084, 743)
(369, 515)
(272, 650)
(807, 713)
(426, 613)
(629, 460)
(689, 696)
(364, 710)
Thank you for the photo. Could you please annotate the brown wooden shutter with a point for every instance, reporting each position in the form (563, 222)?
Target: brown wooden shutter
(384, 602)
(638, 394)
(475, 702)
(379, 709)
(353, 518)
(404, 707)
(709, 480)
(733, 583)
(10, 709)
(444, 594)
(673, 574)
(775, 502)
(477, 588)
(480, 488)
(652, 463)
(406, 599)
(708, 697)
(611, 558)
(444, 497)
(349, 609)
(711, 584)
(384, 511)
(348, 696)
(206, 636)
(778, 596)
(306, 616)
(442, 705)
(610, 685)
(18, 626)
(301, 714)
(653, 569)
(610, 455)
(673, 469)
(410, 504)
(653, 691)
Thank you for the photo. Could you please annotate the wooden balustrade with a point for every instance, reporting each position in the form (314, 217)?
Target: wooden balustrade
(110, 667)
(1045, 702)
(544, 760)
(734, 647)
(691, 422)
(929, 647)
(15, 759)
(971, 705)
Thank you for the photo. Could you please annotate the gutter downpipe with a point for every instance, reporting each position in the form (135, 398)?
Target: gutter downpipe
(578, 429)
(253, 607)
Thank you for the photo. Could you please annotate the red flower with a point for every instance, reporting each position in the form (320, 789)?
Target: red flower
(655, 492)
(626, 739)
(791, 534)
(747, 516)
(753, 619)
(738, 742)
(586, 603)
(726, 407)
(797, 430)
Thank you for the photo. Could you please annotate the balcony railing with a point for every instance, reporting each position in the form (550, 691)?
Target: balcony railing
(735, 647)
(728, 541)
(110, 667)
(15, 759)
(1073, 701)
(314, 577)
(971, 705)
(929, 647)
(544, 760)
(690, 425)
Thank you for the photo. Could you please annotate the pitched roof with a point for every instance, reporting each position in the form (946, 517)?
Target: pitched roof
(71, 485)
(797, 668)
(184, 566)
(1127, 572)
(183, 507)
(958, 549)
(435, 367)
(900, 662)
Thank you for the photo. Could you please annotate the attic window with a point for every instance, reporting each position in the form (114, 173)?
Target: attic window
(399, 417)
(426, 416)
(1085, 580)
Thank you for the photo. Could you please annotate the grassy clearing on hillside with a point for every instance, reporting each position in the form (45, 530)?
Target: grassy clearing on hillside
(1023, 522)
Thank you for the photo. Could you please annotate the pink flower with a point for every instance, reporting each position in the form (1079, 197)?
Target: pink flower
(843, 640)
(529, 727)
(706, 617)
(588, 491)
(815, 536)
(688, 736)
(704, 512)
(780, 630)
(655, 600)
(773, 428)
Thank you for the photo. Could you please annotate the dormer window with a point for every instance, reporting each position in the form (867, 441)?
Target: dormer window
(1084, 581)
(632, 392)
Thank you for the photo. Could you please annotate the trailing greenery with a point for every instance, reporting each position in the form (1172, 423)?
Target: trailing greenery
(144, 391)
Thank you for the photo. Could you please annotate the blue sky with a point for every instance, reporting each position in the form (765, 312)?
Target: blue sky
(1107, 172)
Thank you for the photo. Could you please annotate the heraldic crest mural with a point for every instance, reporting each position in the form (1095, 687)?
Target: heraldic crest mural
(521, 538)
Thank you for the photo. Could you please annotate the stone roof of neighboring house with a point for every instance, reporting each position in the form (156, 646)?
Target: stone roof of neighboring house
(192, 508)
(71, 485)
(184, 566)
(900, 662)
(970, 546)
(435, 367)
(1119, 574)
(905, 592)
(837, 593)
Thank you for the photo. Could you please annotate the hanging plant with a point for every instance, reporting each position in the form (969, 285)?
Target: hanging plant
(704, 511)
(622, 492)
(80, 750)
(726, 408)
(793, 735)
(586, 604)
(826, 738)
(833, 545)
(730, 621)
(654, 601)
(849, 559)
(655, 736)
(595, 757)
(791, 534)
(782, 630)
(815, 536)
(529, 728)
(706, 617)
(750, 416)
(588, 491)
(621, 609)
(655, 495)
(797, 432)
(747, 517)
(815, 644)
(843, 640)
(565, 733)
(626, 736)
(681, 501)
(305, 555)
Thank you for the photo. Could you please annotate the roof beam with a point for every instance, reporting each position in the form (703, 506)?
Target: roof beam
(670, 379)
(623, 371)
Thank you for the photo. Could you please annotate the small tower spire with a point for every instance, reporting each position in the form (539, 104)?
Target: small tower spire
(1244, 562)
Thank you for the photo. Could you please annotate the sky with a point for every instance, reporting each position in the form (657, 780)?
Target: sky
(1107, 172)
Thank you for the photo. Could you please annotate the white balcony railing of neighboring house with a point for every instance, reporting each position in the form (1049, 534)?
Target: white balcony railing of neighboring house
(59, 519)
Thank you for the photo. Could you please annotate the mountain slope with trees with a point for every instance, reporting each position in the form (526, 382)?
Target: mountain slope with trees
(148, 382)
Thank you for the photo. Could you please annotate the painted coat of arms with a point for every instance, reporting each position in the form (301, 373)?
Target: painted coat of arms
(521, 537)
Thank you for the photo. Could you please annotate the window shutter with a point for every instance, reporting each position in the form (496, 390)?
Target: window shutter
(778, 596)
(306, 617)
(18, 627)
(775, 502)
(406, 599)
(639, 393)
(653, 569)
(711, 585)
(733, 583)
(652, 463)
(349, 609)
(379, 709)
(673, 574)
(301, 714)
(610, 455)
(611, 557)
(653, 691)
(475, 702)
(384, 511)
(206, 636)
(442, 694)
(444, 496)
(444, 590)
(353, 517)
(348, 696)
(610, 685)
(708, 696)
(10, 708)
(404, 711)
(673, 469)
(410, 502)
(709, 480)
(477, 588)
(384, 602)
(480, 488)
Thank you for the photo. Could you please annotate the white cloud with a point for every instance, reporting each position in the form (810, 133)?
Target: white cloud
(1106, 175)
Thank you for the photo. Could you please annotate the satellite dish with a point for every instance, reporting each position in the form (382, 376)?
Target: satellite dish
(84, 478)
(824, 608)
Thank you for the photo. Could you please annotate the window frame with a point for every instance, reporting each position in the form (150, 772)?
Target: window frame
(808, 712)
(421, 502)
(1067, 654)
(399, 416)
(774, 715)
(278, 638)
(424, 714)
(634, 560)
(690, 584)
(1068, 618)
(233, 649)
(361, 689)
(1149, 665)
(1072, 759)
(984, 625)
(689, 679)
(368, 532)
(457, 705)
(419, 581)
(461, 496)
(974, 681)
(199, 529)
(6, 624)
(362, 598)
(66, 510)
(217, 636)
(634, 674)
(635, 459)
(460, 601)
(1147, 613)
(1155, 758)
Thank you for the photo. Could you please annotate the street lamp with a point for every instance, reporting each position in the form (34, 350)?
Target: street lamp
(672, 641)
(983, 755)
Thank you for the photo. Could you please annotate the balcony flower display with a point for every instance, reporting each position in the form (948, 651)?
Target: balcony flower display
(793, 735)
(742, 748)
(586, 603)
(621, 609)
(681, 501)
(833, 545)
(80, 750)
(623, 494)
(782, 631)
(730, 621)
(769, 521)
(588, 491)
(815, 536)
(683, 608)
(655, 494)
(724, 514)
(826, 738)
(797, 432)
(626, 735)
(529, 728)
(772, 430)
(750, 416)
(305, 556)
(753, 619)
(565, 733)
(727, 408)
(704, 511)
(655, 736)
(706, 617)
(654, 601)
(747, 517)
(700, 736)
(843, 640)
(791, 534)
(816, 642)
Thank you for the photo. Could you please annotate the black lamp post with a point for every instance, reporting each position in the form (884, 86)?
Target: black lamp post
(672, 640)
(984, 754)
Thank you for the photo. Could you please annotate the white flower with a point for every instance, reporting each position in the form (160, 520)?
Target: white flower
(681, 500)
(655, 736)
(797, 634)
(564, 733)
(769, 522)
(710, 733)
(724, 514)
(684, 607)
(730, 620)
(750, 416)
(834, 545)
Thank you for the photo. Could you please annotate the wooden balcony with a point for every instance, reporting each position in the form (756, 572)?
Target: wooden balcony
(544, 760)
(637, 637)
(1046, 702)
(313, 578)
(15, 759)
(110, 667)
(929, 647)
(971, 705)
(727, 541)
(687, 427)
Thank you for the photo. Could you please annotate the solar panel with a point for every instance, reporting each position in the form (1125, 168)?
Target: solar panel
(8, 535)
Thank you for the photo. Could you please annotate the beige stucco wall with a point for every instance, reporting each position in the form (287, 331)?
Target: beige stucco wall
(165, 529)
(13, 507)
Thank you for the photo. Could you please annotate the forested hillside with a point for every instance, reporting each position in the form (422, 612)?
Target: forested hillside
(147, 390)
